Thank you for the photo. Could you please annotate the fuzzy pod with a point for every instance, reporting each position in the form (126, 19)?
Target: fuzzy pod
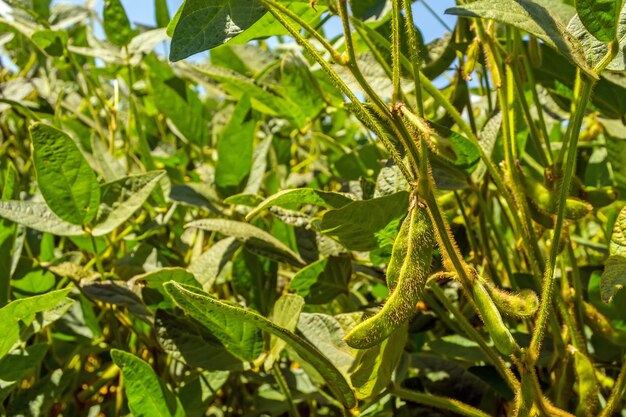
(587, 385)
(502, 338)
(399, 253)
(523, 303)
(414, 265)
(600, 197)
(472, 56)
(602, 326)
(546, 200)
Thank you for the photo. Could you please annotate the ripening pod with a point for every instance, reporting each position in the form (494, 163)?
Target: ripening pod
(470, 60)
(600, 197)
(523, 303)
(407, 272)
(500, 334)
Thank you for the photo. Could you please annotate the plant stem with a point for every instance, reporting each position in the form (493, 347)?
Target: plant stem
(547, 292)
(437, 401)
(414, 53)
(395, 50)
(284, 388)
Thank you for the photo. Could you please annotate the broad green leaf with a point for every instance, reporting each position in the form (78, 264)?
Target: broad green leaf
(361, 225)
(600, 17)
(595, 50)
(53, 42)
(118, 293)
(208, 307)
(254, 239)
(286, 313)
(151, 283)
(312, 196)
(193, 344)
(300, 86)
(19, 363)
(268, 26)
(614, 276)
(203, 25)
(146, 394)
(207, 266)
(532, 18)
(326, 334)
(323, 280)
(197, 395)
(259, 166)
(65, 179)
(458, 347)
(374, 367)
(235, 147)
(24, 310)
(120, 199)
(370, 10)
(115, 23)
(242, 338)
(179, 102)
(264, 97)
(255, 278)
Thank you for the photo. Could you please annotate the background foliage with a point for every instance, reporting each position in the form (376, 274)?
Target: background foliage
(185, 239)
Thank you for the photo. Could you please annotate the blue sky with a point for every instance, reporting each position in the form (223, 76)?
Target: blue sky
(142, 11)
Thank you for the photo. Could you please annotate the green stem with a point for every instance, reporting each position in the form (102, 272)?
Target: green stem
(547, 292)
(284, 388)
(414, 53)
(395, 50)
(437, 401)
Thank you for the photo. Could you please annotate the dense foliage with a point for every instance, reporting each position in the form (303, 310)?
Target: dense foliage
(311, 225)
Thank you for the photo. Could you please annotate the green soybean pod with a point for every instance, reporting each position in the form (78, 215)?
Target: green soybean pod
(498, 331)
(412, 275)
(523, 303)
(546, 200)
(399, 253)
(600, 197)
(587, 384)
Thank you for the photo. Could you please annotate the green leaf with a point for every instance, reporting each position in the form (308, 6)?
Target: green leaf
(193, 344)
(151, 283)
(600, 17)
(65, 179)
(38, 216)
(235, 146)
(206, 24)
(207, 266)
(595, 50)
(255, 278)
(374, 367)
(323, 280)
(115, 23)
(360, 225)
(146, 394)
(326, 334)
(242, 338)
(52, 42)
(268, 26)
(117, 293)
(255, 239)
(120, 199)
(284, 198)
(286, 313)
(23, 312)
(205, 306)
(300, 86)
(370, 10)
(37, 400)
(8, 233)
(19, 363)
(614, 276)
(532, 18)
